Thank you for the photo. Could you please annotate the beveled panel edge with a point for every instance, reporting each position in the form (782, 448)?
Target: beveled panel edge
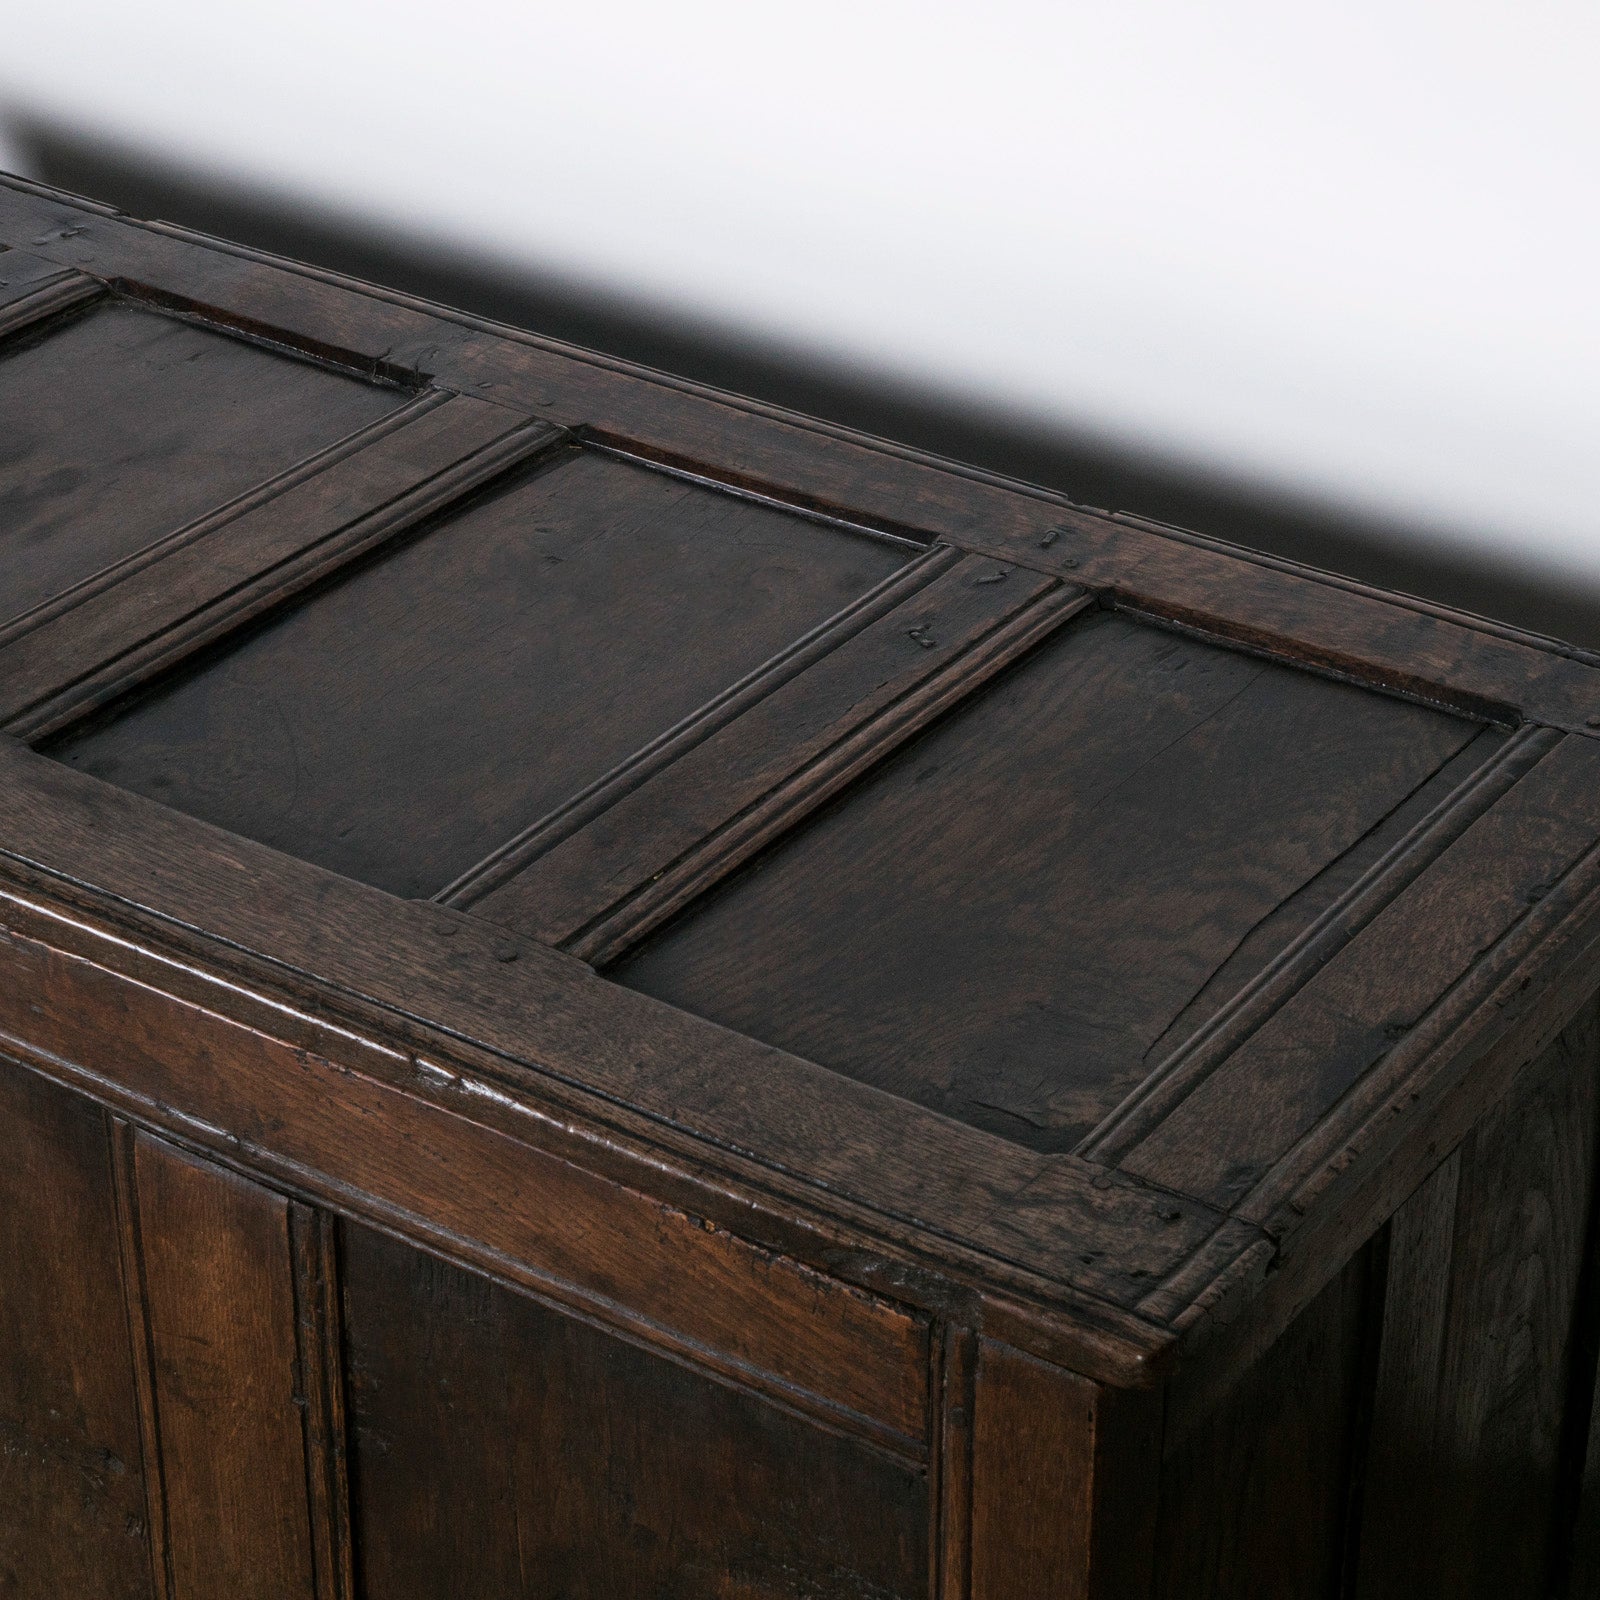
(507, 861)
(1048, 1252)
(587, 909)
(315, 1125)
(24, 306)
(1354, 1200)
(1529, 954)
(1196, 1057)
(200, 527)
(150, 617)
(1385, 636)
(1534, 978)
(1293, 613)
(611, 934)
(319, 1341)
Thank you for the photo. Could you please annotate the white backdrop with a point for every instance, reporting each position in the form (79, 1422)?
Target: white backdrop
(1351, 253)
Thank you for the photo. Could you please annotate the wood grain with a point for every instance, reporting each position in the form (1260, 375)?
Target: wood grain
(667, 1274)
(97, 412)
(33, 291)
(651, 849)
(1479, 1323)
(1254, 1500)
(501, 1449)
(73, 1517)
(220, 1302)
(1265, 885)
(951, 1463)
(1002, 922)
(1382, 639)
(1017, 1220)
(1064, 1479)
(399, 744)
(1287, 948)
(123, 626)
(1375, 992)
(319, 1355)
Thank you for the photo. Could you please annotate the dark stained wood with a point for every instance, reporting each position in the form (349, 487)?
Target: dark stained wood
(319, 1354)
(112, 633)
(1332, 903)
(1283, 951)
(1479, 1322)
(73, 1518)
(97, 412)
(219, 1299)
(399, 744)
(1064, 1478)
(1254, 1499)
(1071, 1228)
(950, 1465)
(1584, 1568)
(863, 1361)
(908, 940)
(1383, 639)
(501, 1450)
(33, 290)
(651, 849)
(1145, 1101)
(1352, 1199)
(1379, 990)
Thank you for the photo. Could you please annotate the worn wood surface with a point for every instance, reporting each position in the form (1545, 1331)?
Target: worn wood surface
(34, 291)
(1254, 1501)
(1367, 1002)
(1382, 638)
(1064, 1483)
(96, 412)
(1097, 934)
(399, 743)
(1464, 1482)
(1050, 1226)
(219, 1300)
(73, 1517)
(909, 940)
(114, 633)
(369, 1121)
(500, 1449)
(650, 850)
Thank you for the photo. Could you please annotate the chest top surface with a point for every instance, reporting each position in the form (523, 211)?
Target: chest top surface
(1077, 908)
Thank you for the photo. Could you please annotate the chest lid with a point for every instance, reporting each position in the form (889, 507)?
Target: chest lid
(1074, 906)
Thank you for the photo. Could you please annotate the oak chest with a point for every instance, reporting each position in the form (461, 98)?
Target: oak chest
(605, 992)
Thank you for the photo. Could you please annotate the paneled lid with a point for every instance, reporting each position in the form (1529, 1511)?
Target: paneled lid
(979, 894)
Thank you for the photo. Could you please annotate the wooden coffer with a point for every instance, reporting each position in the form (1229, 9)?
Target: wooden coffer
(606, 992)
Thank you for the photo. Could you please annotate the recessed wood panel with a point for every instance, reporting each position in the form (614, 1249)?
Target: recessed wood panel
(219, 1303)
(402, 724)
(73, 1518)
(500, 1449)
(119, 426)
(1484, 1348)
(1255, 1500)
(1004, 920)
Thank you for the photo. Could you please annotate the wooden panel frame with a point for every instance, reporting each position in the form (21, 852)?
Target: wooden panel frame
(646, 846)
(1333, 624)
(34, 290)
(1068, 1259)
(126, 624)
